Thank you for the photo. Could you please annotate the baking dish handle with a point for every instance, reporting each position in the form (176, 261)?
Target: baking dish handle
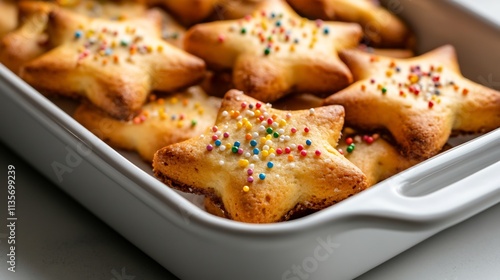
(452, 186)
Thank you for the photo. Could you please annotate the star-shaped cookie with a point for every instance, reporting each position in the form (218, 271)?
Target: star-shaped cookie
(381, 27)
(274, 52)
(420, 100)
(263, 164)
(162, 121)
(114, 64)
(31, 40)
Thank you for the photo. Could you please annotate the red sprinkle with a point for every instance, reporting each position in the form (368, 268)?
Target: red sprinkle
(288, 150)
(300, 147)
(279, 151)
(431, 104)
(306, 129)
(294, 130)
(317, 153)
(303, 153)
(215, 137)
(349, 141)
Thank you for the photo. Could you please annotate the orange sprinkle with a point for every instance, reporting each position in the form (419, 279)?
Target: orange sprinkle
(248, 136)
(363, 87)
(465, 91)
(290, 158)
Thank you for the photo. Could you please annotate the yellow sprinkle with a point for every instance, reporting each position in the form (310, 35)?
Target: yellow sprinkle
(265, 153)
(228, 146)
(438, 100)
(282, 123)
(246, 188)
(315, 31)
(149, 49)
(258, 113)
(439, 68)
(388, 73)
(239, 124)
(180, 124)
(248, 126)
(269, 137)
(263, 140)
(243, 162)
(272, 151)
(245, 120)
(174, 100)
(413, 78)
(113, 44)
(201, 111)
(234, 114)
(160, 48)
(102, 53)
(292, 48)
(162, 115)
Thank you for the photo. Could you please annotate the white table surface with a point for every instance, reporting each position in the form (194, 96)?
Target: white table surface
(56, 238)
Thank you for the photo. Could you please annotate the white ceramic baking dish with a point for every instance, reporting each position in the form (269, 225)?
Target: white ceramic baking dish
(340, 242)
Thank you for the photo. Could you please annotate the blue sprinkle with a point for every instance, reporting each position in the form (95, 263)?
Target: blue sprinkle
(270, 164)
(256, 151)
(78, 34)
(326, 31)
(218, 142)
(237, 144)
(108, 51)
(253, 143)
(262, 176)
(278, 23)
(308, 142)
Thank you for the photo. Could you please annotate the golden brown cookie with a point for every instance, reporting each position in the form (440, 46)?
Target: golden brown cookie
(420, 100)
(380, 26)
(31, 40)
(8, 18)
(263, 164)
(114, 64)
(378, 158)
(162, 121)
(274, 52)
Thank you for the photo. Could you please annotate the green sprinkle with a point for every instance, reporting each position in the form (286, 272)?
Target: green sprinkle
(384, 90)
(269, 130)
(276, 135)
(267, 51)
(350, 148)
(234, 149)
(243, 30)
(194, 123)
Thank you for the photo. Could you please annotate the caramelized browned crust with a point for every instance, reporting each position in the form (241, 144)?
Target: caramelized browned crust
(312, 175)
